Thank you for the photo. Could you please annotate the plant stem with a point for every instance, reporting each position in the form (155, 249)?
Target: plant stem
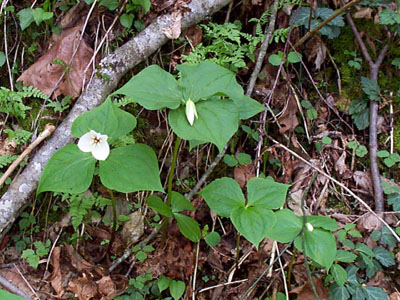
(165, 222)
(172, 169)
(114, 228)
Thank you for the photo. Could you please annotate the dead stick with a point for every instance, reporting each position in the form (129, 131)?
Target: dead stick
(373, 117)
(322, 24)
(48, 130)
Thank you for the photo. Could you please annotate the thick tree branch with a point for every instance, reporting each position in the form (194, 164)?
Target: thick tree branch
(373, 118)
(111, 70)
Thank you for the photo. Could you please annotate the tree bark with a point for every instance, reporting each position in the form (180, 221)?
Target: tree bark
(106, 78)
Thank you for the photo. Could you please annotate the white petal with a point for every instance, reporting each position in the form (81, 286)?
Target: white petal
(85, 143)
(101, 151)
(309, 227)
(190, 111)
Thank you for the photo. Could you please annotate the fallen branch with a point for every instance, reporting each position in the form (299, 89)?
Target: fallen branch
(48, 130)
(111, 70)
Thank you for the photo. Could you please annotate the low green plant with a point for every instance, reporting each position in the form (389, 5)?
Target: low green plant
(358, 149)
(176, 287)
(241, 158)
(291, 58)
(311, 112)
(29, 15)
(141, 253)
(226, 45)
(354, 62)
(18, 136)
(33, 256)
(331, 30)
(390, 159)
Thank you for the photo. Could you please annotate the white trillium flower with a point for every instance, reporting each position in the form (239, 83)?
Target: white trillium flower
(309, 227)
(190, 111)
(96, 143)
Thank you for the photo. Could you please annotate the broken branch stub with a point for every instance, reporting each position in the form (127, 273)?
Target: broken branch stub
(111, 70)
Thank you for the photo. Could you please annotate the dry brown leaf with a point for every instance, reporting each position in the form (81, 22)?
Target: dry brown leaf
(45, 73)
(56, 279)
(341, 167)
(133, 229)
(363, 12)
(394, 296)
(174, 30)
(16, 279)
(316, 52)
(369, 222)
(106, 286)
(83, 288)
(305, 291)
(288, 120)
(363, 181)
(244, 173)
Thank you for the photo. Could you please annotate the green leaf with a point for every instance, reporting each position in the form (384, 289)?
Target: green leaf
(339, 274)
(213, 238)
(275, 59)
(159, 206)
(388, 17)
(188, 227)
(2, 61)
(146, 4)
(371, 88)
(6, 295)
(323, 222)
(354, 233)
(163, 282)
(126, 20)
(69, 170)
(153, 88)
(384, 257)
(244, 158)
(39, 15)
(361, 247)
(383, 153)
(320, 246)
(375, 293)
(294, 57)
(25, 18)
(217, 122)
(177, 288)
(230, 160)
(110, 4)
(205, 80)
(361, 151)
(247, 106)
(338, 293)
(345, 256)
(106, 119)
(179, 203)
(286, 228)
(266, 193)
(253, 222)
(130, 169)
(223, 196)
(326, 140)
(312, 113)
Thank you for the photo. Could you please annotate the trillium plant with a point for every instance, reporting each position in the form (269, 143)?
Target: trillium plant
(124, 169)
(205, 103)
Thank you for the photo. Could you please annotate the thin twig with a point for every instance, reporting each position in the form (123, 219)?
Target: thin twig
(26, 281)
(325, 22)
(263, 49)
(222, 284)
(264, 272)
(338, 183)
(48, 130)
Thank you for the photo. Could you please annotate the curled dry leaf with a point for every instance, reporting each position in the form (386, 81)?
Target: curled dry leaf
(133, 229)
(363, 182)
(341, 167)
(56, 278)
(289, 120)
(45, 73)
(394, 296)
(305, 291)
(83, 288)
(369, 222)
(244, 173)
(174, 30)
(363, 12)
(316, 52)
